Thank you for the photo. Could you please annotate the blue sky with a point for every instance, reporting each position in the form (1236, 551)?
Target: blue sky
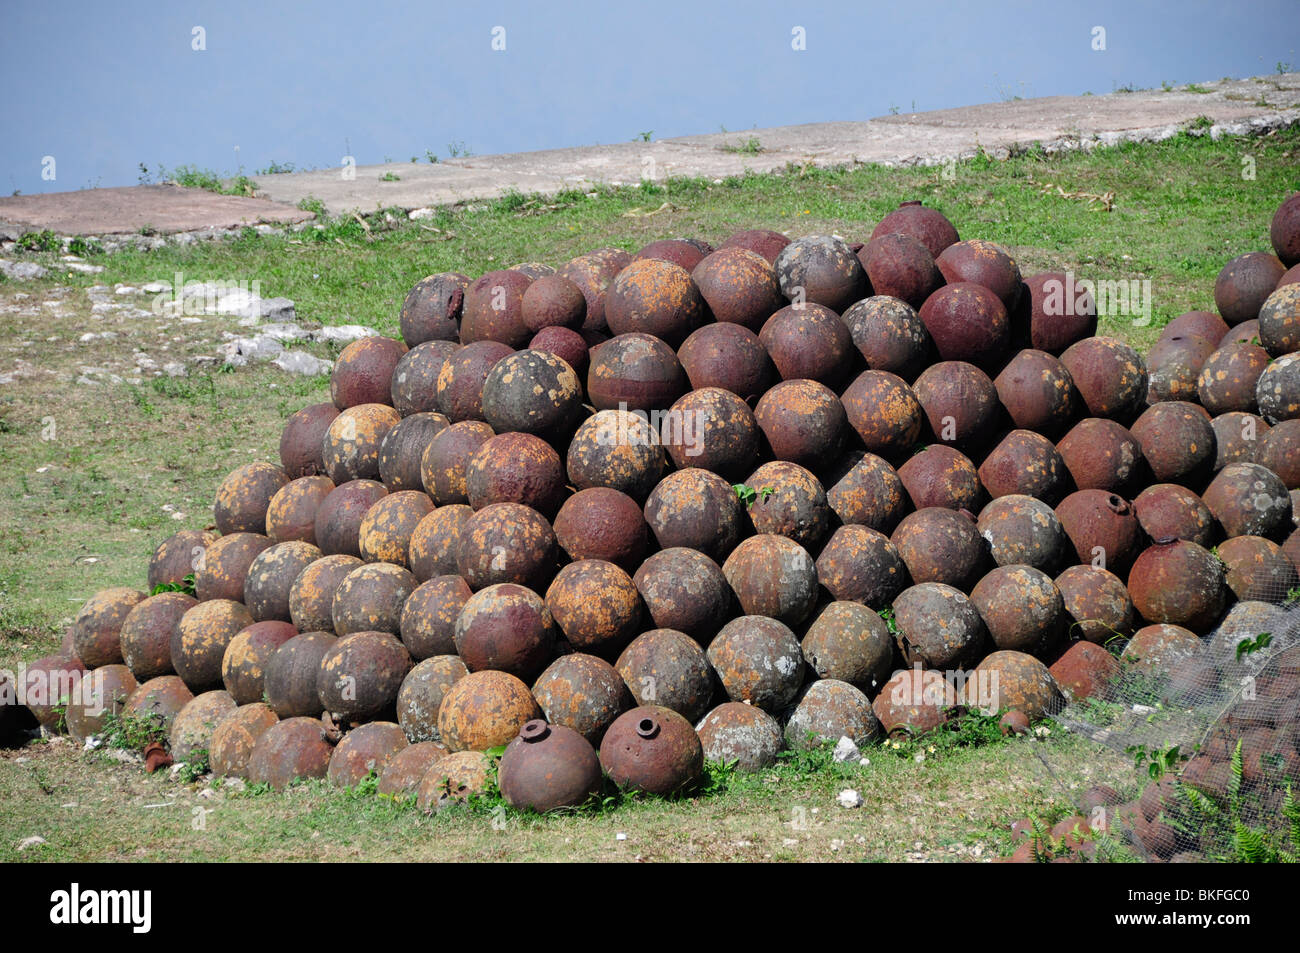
(103, 87)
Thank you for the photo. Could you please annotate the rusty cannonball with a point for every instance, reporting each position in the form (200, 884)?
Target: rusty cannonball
(1018, 682)
(453, 779)
(758, 660)
(740, 286)
(1103, 528)
(889, 335)
(290, 750)
(289, 681)
(789, 501)
(668, 668)
(802, 421)
(1022, 609)
(900, 266)
(1279, 317)
(763, 242)
(938, 627)
(942, 476)
(484, 709)
(243, 666)
(533, 269)
(941, 545)
(1024, 464)
(291, 514)
(809, 342)
(657, 297)
(740, 734)
(351, 446)
(1257, 569)
(1097, 603)
(960, 403)
(1055, 311)
(850, 642)
(1085, 670)
(235, 737)
(864, 489)
(616, 449)
(200, 638)
(714, 429)
(548, 767)
(982, 263)
(271, 577)
(696, 509)
(444, 462)
(363, 373)
(729, 356)
(1250, 500)
(1238, 438)
(461, 378)
(1284, 231)
(821, 269)
(401, 453)
(683, 252)
(370, 599)
(1279, 451)
(1023, 530)
(191, 730)
(1177, 441)
(243, 498)
(1167, 509)
(435, 541)
(553, 301)
(1245, 333)
(1038, 393)
(1229, 378)
(684, 590)
(1205, 324)
(507, 628)
(773, 576)
(157, 701)
(1110, 376)
(146, 633)
(428, 621)
(100, 696)
(1175, 366)
(506, 542)
(177, 556)
(1102, 454)
(828, 710)
(1278, 390)
(652, 749)
(967, 322)
(515, 468)
(592, 274)
(1157, 647)
(386, 529)
(223, 566)
(431, 310)
(407, 767)
(565, 344)
(634, 371)
(96, 630)
(311, 597)
(929, 226)
(582, 692)
(596, 606)
(365, 750)
(860, 564)
(531, 392)
(302, 439)
(420, 697)
(884, 411)
(1244, 284)
(340, 514)
(360, 675)
(493, 309)
(914, 701)
(601, 523)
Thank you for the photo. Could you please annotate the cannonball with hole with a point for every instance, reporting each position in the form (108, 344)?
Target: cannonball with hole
(432, 308)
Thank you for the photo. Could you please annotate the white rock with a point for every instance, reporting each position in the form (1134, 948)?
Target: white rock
(284, 331)
(156, 287)
(30, 842)
(260, 348)
(342, 332)
(300, 362)
(846, 750)
(83, 268)
(174, 369)
(849, 798)
(22, 270)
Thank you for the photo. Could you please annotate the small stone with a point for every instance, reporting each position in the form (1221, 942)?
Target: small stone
(30, 842)
(300, 362)
(620, 836)
(342, 332)
(849, 798)
(846, 750)
(22, 270)
(419, 214)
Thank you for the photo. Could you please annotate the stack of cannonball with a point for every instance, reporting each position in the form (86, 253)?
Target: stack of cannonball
(640, 511)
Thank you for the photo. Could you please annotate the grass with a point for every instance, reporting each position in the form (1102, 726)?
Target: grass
(95, 474)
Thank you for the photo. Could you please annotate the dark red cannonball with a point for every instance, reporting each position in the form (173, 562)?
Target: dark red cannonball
(860, 564)
(1279, 451)
(929, 226)
(431, 310)
(289, 681)
(668, 668)
(1179, 583)
(789, 501)
(515, 468)
(1284, 231)
(809, 342)
(553, 301)
(967, 322)
(635, 371)
(601, 523)
(363, 373)
(443, 465)
(177, 556)
(761, 241)
(339, 516)
(360, 676)
(739, 286)
(564, 343)
(1244, 283)
(1097, 603)
(1167, 509)
(1177, 442)
(684, 590)
(1056, 311)
(506, 628)
(729, 356)
(901, 267)
(1229, 378)
(1102, 455)
(506, 542)
(942, 476)
(885, 412)
(1206, 324)
(681, 252)
(243, 667)
(960, 403)
(1110, 376)
(493, 310)
(617, 449)
(592, 274)
(890, 336)
(773, 576)
(300, 443)
(243, 497)
(292, 512)
(1038, 393)
(802, 421)
(1257, 569)
(1245, 333)
(1103, 528)
(652, 296)
(713, 429)
(460, 381)
(982, 263)
(821, 269)
(1174, 367)
(415, 378)
(942, 545)
(146, 634)
(864, 489)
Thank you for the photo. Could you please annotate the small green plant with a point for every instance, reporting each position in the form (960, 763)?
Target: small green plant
(1158, 761)
(44, 240)
(750, 146)
(748, 495)
(313, 205)
(186, 586)
(430, 157)
(1194, 88)
(643, 136)
(1200, 122)
(194, 767)
(147, 230)
(390, 177)
(276, 168)
(1166, 86)
(716, 778)
(84, 247)
(887, 616)
(458, 149)
(131, 732)
(1293, 595)
(1249, 646)
(1221, 827)
(367, 787)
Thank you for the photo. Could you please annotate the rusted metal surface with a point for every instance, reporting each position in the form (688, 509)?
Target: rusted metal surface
(1244, 283)
(713, 429)
(1103, 529)
(617, 449)
(914, 701)
(506, 542)
(1279, 316)
(1237, 438)
(443, 465)
(1098, 604)
(982, 263)
(758, 660)
(515, 468)
(225, 564)
(533, 269)
(1257, 569)
(582, 692)
(809, 343)
(565, 344)
(243, 666)
(668, 668)
(360, 675)
(685, 590)
(942, 476)
(1085, 670)
(1110, 376)
(363, 372)
(967, 322)
(1279, 451)
(821, 269)
(435, 541)
(773, 576)
(960, 403)
(429, 616)
(901, 267)
(423, 689)
(271, 576)
(682, 252)
(1229, 378)
(1177, 441)
(652, 749)
(493, 309)
(864, 489)
(890, 335)
(553, 301)
(1175, 367)
(1250, 500)
(340, 514)
(828, 710)
(1156, 648)
(636, 370)
(602, 523)
(386, 530)
(1284, 230)
(290, 680)
(1038, 393)
(1024, 531)
(461, 377)
(1167, 509)
(532, 392)
(1206, 324)
(885, 412)
(729, 356)
(657, 297)
(311, 597)
(789, 501)
(1245, 333)
(592, 274)
(191, 731)
(200, 639)
(97, 628)
(176, 556)
(1025, 464)
(402, 451)
(453, 779)
(365, 749)
(1278, 389)
(740, 286)
(1102, 455)
(485, 709)
(243, 498)
(431, 310)
(596, 606)
(291, 514)
(741, 734)
(415, 378)
(763, 242)
(235, 737)
(289, 750)
(102, 696)
(1022, 609)
(157, 701)
(696, 509)
(405, 770)
(507, 628)
(938, 627)
(1054, 312)
(1024, 684)
(351, 446)
(300, 442)
(802, 421)
(929, 226)
(548, 767)
(370, 599)
(942, 545)
(850, 642)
